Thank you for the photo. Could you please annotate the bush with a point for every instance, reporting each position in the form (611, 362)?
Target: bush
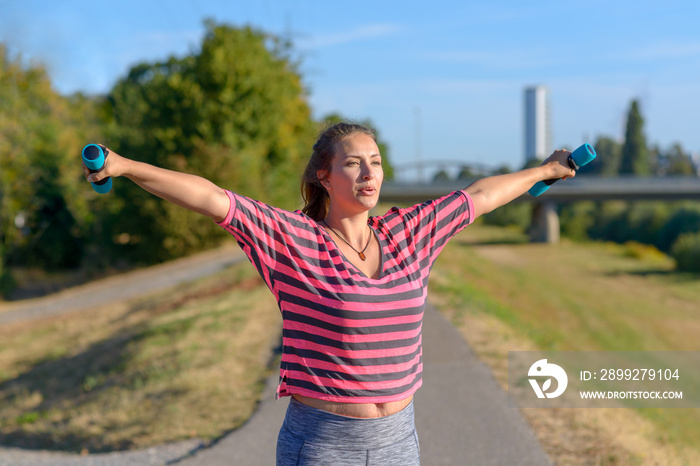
(609, 222)
(518, 214)
(686, 219)
(656, 223)
(577, 218)
(7, 282)
(686, 252)
(637, 250)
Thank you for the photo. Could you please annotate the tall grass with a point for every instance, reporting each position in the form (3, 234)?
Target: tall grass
(576, 297)
(187, 363)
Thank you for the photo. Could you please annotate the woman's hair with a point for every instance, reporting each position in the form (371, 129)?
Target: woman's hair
(313, 193)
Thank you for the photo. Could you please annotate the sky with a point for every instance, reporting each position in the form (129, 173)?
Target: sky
(441, 80)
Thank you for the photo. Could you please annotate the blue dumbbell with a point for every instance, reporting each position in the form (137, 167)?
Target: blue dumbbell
(578, 158)
(94, 157)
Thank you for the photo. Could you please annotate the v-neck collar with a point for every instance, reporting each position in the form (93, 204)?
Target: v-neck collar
(348, 262)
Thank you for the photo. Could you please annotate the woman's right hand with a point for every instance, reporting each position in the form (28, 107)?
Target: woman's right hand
(113, 167)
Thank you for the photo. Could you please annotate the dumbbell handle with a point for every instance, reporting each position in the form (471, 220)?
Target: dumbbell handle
(94, 157)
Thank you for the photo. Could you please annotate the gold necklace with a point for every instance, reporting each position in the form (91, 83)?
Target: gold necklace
(359, 253)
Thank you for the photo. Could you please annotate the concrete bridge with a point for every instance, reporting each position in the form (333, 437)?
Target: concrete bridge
(545, 221)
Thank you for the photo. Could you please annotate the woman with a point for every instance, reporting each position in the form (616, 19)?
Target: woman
(351, 288)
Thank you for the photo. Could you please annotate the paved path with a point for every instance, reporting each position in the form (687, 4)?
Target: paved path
(462, 415)
(122, 287)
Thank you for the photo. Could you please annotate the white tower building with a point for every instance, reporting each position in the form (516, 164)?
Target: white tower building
(538, 139)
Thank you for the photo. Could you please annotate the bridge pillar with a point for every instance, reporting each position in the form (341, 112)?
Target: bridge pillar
(545, 223)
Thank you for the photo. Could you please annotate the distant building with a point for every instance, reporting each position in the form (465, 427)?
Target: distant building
(538, 138)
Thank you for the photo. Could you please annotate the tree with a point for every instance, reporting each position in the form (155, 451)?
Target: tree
(235, 113)
(635, 155)
(441, 176)
(467, 174)
(607, 161)
(43, 215)
(674, 162)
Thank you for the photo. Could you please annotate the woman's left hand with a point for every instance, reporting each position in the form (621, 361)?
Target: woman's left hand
(558, 166)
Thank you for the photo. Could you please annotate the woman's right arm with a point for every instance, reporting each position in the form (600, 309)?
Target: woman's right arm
(189, 191)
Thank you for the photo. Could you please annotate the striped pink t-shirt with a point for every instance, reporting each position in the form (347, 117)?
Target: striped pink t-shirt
(347, 337)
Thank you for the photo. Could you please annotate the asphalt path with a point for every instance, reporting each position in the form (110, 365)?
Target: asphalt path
(462, 415)
(123, 287)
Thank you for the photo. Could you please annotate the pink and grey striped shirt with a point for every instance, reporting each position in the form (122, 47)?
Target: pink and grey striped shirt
(347, 337)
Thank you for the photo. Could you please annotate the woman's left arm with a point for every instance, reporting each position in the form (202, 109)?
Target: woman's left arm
(494, 191)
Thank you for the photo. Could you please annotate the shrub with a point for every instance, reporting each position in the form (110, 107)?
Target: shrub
(7, 282)
(686, 252)
(637, 250)
(577, 218)
(684, 220)
(518, 214)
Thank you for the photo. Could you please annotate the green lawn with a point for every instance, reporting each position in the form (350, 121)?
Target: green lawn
(576, 297)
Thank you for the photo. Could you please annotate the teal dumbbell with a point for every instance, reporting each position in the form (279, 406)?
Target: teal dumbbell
(578, 158)
(94, 158)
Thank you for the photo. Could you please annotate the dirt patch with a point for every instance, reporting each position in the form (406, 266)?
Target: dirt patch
(500, 254)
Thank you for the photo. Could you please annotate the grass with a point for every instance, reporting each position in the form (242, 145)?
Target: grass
(191, 362)
(576, 297)
(188, 363)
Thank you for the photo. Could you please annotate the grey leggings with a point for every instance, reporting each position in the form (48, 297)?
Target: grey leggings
(310, 436)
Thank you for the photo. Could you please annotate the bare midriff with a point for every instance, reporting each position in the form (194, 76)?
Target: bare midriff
(359, 410)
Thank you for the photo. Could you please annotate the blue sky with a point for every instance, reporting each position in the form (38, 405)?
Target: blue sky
(454, 69)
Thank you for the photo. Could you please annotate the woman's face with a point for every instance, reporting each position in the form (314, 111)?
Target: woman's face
(356, 174)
